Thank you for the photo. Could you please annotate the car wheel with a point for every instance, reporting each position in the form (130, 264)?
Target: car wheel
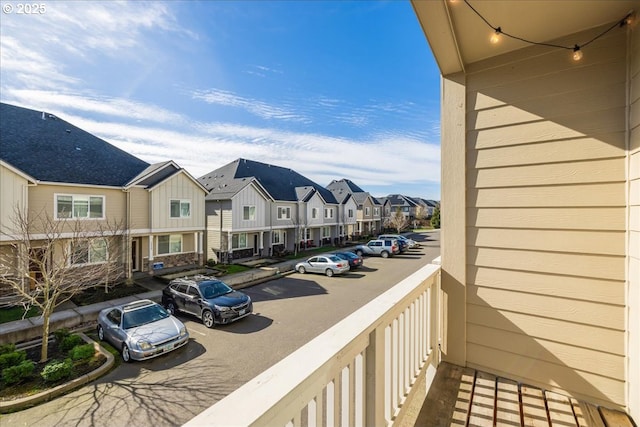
(126, 356)
(384, 254)
(301, 270)
(171, 308)
(100, 333)
(328, 272)
(359, 253)
(207, 319)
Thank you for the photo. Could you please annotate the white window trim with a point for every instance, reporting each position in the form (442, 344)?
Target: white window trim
(314, 213)
(328, 213)
(157, 239)
(70, 248)
(88, 196)
(284, 209)
(326, 232)
(246, 241)
(251, 217)
(181, 201)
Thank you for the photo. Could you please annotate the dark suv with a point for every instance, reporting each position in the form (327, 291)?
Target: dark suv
(209, 299)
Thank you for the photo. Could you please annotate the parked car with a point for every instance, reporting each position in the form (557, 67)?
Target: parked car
(382, 247)
(207, 298)
(355, 261)
(141, 330)
(410, 242)
(324, 264)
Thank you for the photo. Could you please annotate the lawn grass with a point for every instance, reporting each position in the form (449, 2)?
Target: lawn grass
(16, 313)
(232, 268)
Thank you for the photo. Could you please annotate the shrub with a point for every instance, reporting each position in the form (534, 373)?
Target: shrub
(7, 348)
(69, 342)
(211, 262)
(81, 352)
(57, 370)
(61, 334)
(18, 373)
(14, 358)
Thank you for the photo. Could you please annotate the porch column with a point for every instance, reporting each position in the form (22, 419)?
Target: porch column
(150, 247)
(453, 239)
(261, 240)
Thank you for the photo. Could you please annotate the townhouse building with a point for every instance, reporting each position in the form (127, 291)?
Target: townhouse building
(52, 169)
(369, 209)
(259, 209)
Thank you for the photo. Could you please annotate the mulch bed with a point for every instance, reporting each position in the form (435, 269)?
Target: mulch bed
(37, 383)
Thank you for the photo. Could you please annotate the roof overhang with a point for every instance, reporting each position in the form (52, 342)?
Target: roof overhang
(459, 37)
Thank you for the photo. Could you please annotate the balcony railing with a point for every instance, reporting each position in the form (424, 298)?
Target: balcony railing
(361, 372)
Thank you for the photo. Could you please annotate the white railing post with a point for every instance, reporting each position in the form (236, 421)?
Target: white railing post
(374, 378)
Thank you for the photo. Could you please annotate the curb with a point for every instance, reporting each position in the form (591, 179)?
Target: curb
(24, 402)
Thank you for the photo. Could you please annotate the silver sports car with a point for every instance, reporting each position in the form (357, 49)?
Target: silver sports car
(141, 330)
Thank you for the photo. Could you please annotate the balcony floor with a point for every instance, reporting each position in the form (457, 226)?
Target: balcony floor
(465, 397)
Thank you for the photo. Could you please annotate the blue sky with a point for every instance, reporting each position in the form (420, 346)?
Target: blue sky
(336, 89)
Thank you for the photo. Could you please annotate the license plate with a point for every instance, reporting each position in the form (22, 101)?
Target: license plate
(241, 312)
(168, 347)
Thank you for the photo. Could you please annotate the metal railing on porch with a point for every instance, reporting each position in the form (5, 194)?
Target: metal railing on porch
(363, 371)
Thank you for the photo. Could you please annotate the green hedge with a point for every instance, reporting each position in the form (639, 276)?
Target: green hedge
(81, 352)
(69, 342)
(14, 358)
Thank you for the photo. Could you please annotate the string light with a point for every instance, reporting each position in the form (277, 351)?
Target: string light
(577, 53)
(575, 49)
(495, 37)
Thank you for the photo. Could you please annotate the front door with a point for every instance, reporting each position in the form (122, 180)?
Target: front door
(134, 255)
(255, 244)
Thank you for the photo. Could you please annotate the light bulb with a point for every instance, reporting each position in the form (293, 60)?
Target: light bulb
(577, 53)
(495, 37)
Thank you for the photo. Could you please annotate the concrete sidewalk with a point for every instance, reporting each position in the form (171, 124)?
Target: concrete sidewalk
(72, 317)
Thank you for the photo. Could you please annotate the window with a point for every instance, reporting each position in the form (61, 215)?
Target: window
(405, 209)
(239, 240)
(180, 208)
(328, 213)
(326, 231)
(276, 237)
(376, 211)
(92, 252)
(284, 212)
(314, 213)
(350, 213)
(307, 234)
(79, 206)
(249, 213)
(170, 244)
(366, 211)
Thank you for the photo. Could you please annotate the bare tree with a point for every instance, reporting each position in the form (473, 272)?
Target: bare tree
(398, 221)
(48, 261)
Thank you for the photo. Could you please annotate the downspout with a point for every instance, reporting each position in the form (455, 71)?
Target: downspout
(128, 240)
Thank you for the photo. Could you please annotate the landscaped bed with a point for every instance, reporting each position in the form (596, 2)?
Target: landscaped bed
(22, 374)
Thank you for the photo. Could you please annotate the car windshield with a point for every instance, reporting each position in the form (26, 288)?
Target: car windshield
(214, 289)
(144, 315)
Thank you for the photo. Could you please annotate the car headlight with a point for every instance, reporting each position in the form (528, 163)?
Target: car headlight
(183, 331)
(144, 345)
(221, 308)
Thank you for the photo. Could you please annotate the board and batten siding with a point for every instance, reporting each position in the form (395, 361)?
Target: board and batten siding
(13, 198)
(177, 187)
(249, 196)
(545, 218)
(633, 358)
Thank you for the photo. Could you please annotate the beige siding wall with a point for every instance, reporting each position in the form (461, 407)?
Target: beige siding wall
(13, 198)
(545, 218)
(139, 199)
(317, 203)
(634, 229)
(178, 187)
(42, 200)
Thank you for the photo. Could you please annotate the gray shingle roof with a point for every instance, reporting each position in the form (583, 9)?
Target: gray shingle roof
(50, 149)
(279, 182)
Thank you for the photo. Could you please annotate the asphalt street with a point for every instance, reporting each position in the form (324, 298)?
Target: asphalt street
(171, 389)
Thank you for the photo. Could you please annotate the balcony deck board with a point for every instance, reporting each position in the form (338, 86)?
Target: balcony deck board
(464, 397)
